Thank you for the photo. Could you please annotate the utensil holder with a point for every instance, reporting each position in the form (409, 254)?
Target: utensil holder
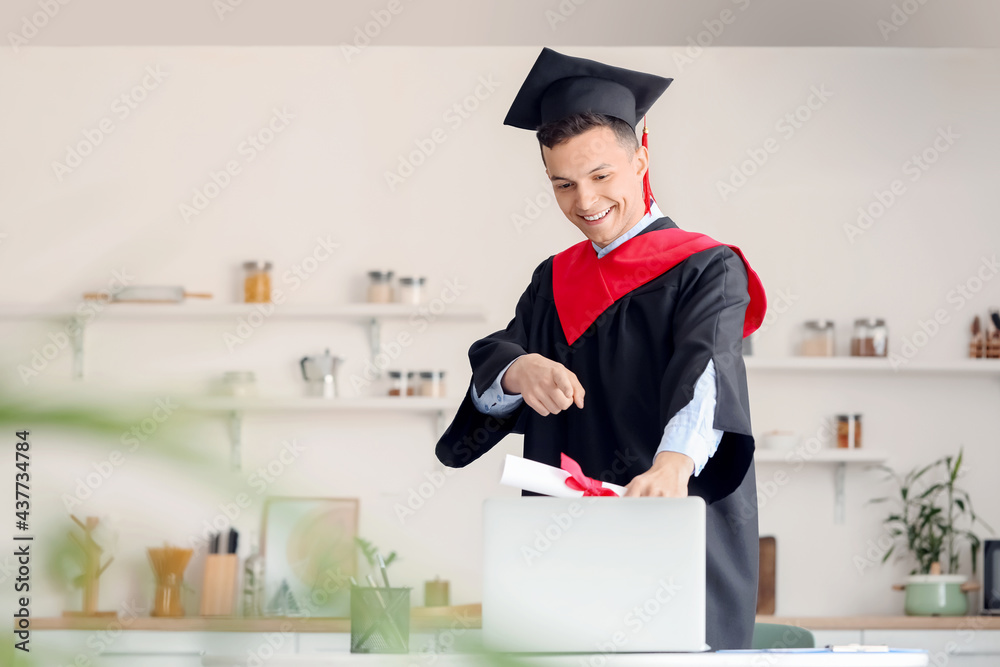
(380, 620)
(218, 589)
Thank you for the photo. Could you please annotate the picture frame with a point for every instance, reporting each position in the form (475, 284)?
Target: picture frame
(310, 555)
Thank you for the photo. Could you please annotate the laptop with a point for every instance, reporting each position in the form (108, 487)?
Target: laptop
(594, 575)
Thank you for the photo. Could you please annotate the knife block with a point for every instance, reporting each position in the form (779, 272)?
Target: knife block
(218, 588)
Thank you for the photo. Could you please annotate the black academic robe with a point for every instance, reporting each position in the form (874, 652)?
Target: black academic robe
(638, 363)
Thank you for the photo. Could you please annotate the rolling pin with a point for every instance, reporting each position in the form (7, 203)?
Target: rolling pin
(148, 294)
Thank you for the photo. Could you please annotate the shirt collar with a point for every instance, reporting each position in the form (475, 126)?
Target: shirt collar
(654, 214)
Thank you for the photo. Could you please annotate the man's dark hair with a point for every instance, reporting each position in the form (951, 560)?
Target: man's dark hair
(556, 132)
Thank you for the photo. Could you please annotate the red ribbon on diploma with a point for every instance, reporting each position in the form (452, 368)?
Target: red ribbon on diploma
(580, 482)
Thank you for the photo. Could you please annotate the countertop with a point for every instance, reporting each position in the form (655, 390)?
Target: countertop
(470, 616)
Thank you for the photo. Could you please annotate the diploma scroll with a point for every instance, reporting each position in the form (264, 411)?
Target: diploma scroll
(537, 477)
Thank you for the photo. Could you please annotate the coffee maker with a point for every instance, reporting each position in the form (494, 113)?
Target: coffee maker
(320, 373)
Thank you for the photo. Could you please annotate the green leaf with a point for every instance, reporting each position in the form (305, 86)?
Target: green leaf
(933, 489)
(888, 553)
(923, 470)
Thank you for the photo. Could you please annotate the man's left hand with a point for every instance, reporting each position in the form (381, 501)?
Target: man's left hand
(668, 477)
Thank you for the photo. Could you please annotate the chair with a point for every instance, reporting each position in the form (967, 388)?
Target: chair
(776, 635)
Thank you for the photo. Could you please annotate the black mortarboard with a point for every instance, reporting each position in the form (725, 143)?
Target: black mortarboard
(559, 86)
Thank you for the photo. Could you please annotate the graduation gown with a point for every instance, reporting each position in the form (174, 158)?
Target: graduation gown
(638, 351)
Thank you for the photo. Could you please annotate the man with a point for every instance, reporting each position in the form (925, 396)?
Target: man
(625, 351)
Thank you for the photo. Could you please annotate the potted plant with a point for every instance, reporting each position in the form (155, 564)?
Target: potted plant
(932, 520)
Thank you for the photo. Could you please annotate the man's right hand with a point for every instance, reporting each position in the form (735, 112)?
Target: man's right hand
(546, 386)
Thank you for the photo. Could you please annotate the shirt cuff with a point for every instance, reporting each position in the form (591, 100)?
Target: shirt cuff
(690, 431)
(687, 441)
(494, 400)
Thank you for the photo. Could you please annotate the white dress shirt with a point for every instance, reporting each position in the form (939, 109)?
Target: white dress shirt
(688, 432)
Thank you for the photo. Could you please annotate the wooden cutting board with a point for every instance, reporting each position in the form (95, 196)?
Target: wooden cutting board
(766, 580)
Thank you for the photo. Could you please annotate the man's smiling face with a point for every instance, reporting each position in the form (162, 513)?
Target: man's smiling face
(598, 183)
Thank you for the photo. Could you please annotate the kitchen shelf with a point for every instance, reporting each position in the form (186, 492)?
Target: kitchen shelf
(369, 314)
(360, 312)
(284, 404)
(236, 407)
(826, 455)
(838, 457)
(421, 619)
(873, 365)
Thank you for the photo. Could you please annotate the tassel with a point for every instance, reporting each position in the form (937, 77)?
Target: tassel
(647, 192)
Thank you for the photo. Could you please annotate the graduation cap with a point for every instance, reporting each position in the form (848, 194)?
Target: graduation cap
(559, 86)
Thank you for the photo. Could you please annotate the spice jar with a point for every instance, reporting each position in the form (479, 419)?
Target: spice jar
(432, 383)
(436, 593)
(411, 290)
(380, 287)
(402, 383)
(871, 338)
(257, 282)
(817, 339)
(848, 431)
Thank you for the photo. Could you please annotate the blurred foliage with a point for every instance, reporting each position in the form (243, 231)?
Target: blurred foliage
(370, 552)
(104, 420)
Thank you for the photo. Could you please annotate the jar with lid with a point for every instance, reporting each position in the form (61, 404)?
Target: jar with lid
(239, 383)
(380, 287)
(411, 290)
(870, 339)
(817, 339)
(849, 431)
(432, 383)
(402, 383)
(257, 282)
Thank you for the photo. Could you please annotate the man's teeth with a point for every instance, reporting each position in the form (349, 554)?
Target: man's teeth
(600, 215)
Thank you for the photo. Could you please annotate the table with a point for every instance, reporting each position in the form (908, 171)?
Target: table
(719, 659)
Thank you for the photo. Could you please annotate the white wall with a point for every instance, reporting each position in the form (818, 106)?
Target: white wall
(452, 220)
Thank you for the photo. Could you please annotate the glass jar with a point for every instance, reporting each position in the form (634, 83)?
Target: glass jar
(167, 600)
(411, 290)
(817, 339)
(253, 582)
(257, 282)
(380, 287)
(402, 383)
(239, 383)
(870, 339)
(849, 431)
(432, 383)
(168, 565)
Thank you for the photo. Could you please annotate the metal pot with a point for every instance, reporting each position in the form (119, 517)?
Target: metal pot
(936, 594)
